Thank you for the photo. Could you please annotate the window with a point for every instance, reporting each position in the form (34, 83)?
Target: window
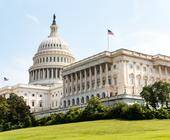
(32, 103)
(73, 102)
(137, 67)
(146, 81)
(131, 66)
(114, 66)
(82, 100)
(109, 80)
(40, 95)
(40, 103)
(33, 95)
(144, 68)
(87, 98)
(103, 95)
(139, 80)
(115, 81)
(56, 103)
(131, 77)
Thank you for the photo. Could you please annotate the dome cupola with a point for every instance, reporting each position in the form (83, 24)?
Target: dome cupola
(52, 55)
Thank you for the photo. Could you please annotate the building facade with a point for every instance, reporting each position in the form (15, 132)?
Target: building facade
(57, 82)
(112, 76)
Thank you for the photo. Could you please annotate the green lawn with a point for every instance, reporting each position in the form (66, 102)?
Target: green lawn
(95, 130)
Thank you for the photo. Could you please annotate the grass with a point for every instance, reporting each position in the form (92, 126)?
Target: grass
(95, 130)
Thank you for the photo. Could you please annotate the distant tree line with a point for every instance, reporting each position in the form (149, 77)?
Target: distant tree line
(14, 113)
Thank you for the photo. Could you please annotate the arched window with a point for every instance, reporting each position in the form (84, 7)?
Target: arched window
(68, 102)
(98, 95)
(77, 101)
(82, 100)
(111, 94)
(73, 102)
(131, 77)
(146, 81)
(87, 98)
(138, 80)
(64, 103)
(103, 95)
(115, 80)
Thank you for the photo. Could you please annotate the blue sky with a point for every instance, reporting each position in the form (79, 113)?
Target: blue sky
(140, 25)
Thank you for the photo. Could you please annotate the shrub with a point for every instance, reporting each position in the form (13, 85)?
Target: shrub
(73, 115)
(93, 109)
(116, 111)
(161, 114)
(134, 112)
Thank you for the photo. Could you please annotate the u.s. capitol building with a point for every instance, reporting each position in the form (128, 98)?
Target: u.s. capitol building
(58, 82)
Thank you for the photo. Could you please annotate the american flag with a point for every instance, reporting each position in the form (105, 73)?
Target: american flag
(6, 79)
(109, 32)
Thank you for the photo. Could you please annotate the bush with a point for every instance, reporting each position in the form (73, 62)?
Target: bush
(116, 111)
(134, 112)
(161, 114)
(93, 109)
(73, 115)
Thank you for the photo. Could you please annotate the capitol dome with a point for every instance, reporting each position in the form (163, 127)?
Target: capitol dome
(52, 55)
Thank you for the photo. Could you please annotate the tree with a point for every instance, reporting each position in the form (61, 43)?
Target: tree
(19, 114)
(4, 108)
(156, 94)
(94, 109)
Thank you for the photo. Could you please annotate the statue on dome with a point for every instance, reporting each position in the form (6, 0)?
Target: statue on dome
(54, 22)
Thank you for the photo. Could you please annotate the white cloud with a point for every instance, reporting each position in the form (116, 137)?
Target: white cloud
(33, 18)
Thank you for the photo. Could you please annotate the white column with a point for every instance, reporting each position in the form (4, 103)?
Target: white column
(76, 82)
(68, 87)
(80, 82)
(106, 69)
(101, 81)
(90, 78)
(52, 76)
(47, 73)
(95, 77)
(43, 74)
(38, 74)
(85, 80)
(72, 84)
(125, 72)
(134, 71)
(33, 75)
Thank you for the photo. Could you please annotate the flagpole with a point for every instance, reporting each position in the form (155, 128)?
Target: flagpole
(107, 42)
